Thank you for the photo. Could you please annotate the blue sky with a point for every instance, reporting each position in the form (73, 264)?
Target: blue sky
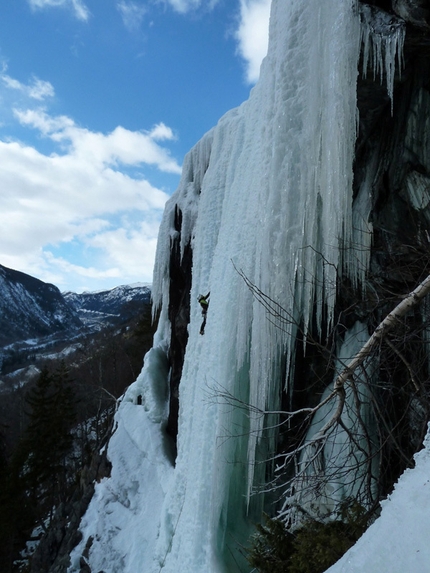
(99, 102)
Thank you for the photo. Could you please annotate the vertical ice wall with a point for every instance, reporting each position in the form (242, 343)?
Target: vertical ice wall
(266, 195)
(273, 201)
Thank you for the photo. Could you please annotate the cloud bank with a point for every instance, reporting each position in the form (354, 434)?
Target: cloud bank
(87, 196)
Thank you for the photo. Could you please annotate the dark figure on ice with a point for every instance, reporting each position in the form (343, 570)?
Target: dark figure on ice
(204, 303)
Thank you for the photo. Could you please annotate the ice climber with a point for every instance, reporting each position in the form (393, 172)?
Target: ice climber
(204, 303)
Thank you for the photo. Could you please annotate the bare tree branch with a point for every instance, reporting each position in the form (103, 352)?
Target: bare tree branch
(310, 471)
(408, 303)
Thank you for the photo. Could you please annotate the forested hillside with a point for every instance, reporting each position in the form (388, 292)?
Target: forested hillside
(58, 398)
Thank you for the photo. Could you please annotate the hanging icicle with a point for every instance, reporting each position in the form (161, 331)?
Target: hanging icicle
(382, 36)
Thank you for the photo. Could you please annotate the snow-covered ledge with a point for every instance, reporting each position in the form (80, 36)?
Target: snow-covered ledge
(398, 541)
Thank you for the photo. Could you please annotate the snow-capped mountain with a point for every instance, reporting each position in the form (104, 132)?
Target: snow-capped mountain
(39, 323)
(109, 306)
(30, 308)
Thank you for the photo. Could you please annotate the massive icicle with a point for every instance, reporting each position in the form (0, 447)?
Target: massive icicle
(342, 467)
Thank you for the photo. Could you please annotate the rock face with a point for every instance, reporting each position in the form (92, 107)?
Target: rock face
(30, 308)
(415, 12)
(393, 161)
(179, 316)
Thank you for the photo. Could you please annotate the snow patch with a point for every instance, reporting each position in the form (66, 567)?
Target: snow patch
(398, 540)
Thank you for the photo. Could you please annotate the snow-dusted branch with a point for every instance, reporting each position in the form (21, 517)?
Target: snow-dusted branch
(408, 303)
(390, 321)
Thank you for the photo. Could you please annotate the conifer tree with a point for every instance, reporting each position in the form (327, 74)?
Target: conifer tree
(48, 439)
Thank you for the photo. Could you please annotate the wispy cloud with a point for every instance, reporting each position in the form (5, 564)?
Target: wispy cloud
(132, 14)
(78, 6)
(253, 35)
(36, 89)
(184, 6)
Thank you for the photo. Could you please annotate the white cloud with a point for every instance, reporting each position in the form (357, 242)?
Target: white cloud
(49, 199)
(160, 132)
(125, 254)
(121, 146)
(121, 245)
(66, 267)
(78, 6)
(184, 6)
(41, 89)
(253, 35)
(53, 269)
(37, 89)
(85, 197)
(132, 14)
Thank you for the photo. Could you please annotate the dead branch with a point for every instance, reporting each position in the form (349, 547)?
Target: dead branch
(310, 450)
(405, 362)
(390, 321)
(408, 303)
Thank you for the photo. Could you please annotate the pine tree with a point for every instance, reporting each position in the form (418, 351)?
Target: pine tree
(39, 436)
(35, 479)
(48, 439)
(17, 516)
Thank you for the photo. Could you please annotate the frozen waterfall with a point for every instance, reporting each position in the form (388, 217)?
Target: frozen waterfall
(265, 196)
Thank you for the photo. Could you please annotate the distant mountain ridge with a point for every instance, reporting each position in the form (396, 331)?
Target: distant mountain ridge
(39, 323)
(121, 302)
(31, 308)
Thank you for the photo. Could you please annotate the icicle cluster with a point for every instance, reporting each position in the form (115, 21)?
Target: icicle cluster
(308, 194)
(382, 36)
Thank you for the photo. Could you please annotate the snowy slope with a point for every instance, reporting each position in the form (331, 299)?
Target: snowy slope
(122, 521)
(109, 301)
(398, 541)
